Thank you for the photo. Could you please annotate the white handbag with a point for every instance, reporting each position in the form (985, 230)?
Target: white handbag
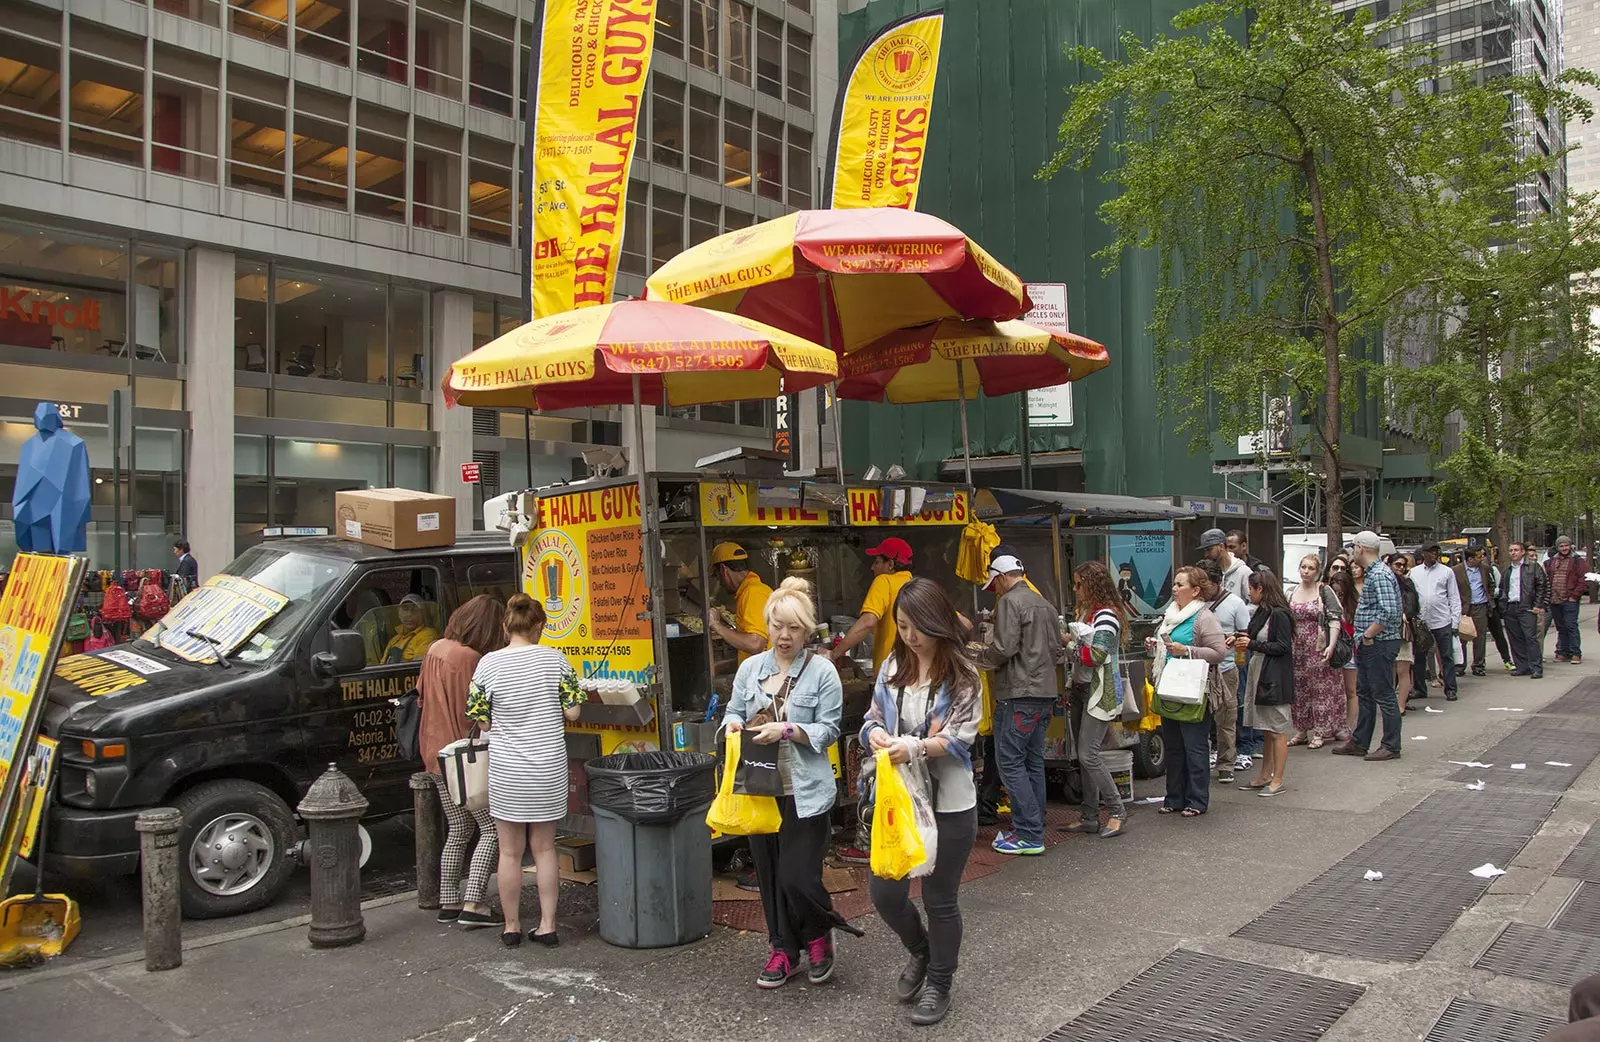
(465, 766)
(1183, 680)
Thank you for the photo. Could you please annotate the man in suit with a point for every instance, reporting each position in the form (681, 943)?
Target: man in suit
(1524, 596)
(1476, 584)
(188, 568)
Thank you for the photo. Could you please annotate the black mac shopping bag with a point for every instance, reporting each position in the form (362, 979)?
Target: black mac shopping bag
(757, 771)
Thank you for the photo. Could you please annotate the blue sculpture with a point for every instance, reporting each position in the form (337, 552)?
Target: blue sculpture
(51, 502)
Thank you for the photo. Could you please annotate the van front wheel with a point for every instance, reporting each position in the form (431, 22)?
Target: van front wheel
(234, 848)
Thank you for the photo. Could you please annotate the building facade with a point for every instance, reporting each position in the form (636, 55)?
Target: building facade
(272, 227)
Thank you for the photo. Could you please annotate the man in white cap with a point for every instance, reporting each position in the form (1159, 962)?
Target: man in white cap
(1378, 632)
(1022, 651)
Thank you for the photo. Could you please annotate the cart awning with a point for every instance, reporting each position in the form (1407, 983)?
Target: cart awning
(1076, 508)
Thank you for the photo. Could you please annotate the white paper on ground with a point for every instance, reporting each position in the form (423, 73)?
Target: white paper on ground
(1476, 786)
(1503, 709)
(1419, 738)
(1556, 763)
(1488, 871)
(1372, 876)
(1151, 799)
(1519, 767)
(1430, 709)
(1471, 763)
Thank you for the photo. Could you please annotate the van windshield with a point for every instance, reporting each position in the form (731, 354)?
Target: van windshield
(300, 577)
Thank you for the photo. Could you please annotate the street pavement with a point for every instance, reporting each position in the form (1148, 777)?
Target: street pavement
(1046, 938)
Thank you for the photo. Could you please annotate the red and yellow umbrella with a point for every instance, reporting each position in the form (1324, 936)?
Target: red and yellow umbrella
(953, 360)
(844, 278)
(638, 352)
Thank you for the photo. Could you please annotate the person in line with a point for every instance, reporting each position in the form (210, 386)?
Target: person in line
(1022, 654)
(1497, 628)
(526, 693)
(1378, 623)
(925, 708)
(891, 571)
(1101, 609)
(1239, 547)
(991, 792)
(1568, 587)
(1319, 702)
(793, 698)
(1340, 577)
(1188, 630)
(414, 636)
(187, 569)
(730, 565)
(1524, 595)
(1233, 614)
(1235, 572)
(1440, 599)
(1410, 615)
(1269, 684)
(475, 629)
(1476, 585)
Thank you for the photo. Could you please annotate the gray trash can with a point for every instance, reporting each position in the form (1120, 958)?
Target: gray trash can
(652, 846)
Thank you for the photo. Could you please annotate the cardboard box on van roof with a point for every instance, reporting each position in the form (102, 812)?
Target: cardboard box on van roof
(395, 518)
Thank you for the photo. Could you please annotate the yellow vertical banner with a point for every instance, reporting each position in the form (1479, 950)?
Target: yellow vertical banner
(586, 91)
(885, 106)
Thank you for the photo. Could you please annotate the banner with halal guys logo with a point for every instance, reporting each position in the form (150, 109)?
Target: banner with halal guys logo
(587, 89)
(881, 125)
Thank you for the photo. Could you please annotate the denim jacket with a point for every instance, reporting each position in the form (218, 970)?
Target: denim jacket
(816, 706)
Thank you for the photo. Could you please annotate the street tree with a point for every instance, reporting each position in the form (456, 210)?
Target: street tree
(1287, 164)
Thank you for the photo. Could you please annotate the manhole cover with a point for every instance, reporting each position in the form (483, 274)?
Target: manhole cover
(1467, 1021)
(1189, 997)
(1584, 861)
(1550, 956)
(1581, 913)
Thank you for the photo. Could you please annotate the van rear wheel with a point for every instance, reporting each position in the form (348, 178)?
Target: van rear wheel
(234, 848)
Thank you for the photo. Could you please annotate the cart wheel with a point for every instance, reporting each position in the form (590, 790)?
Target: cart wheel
(1150, 756)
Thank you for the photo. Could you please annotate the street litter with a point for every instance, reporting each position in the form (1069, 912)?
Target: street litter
(1488, 871)
(1430, 709)
(1372, 876)
(1471, 763)
(1503, 709)
(1476, 786)
(1519, 767)
(1419, 738)
(1556, 763)
(1151, 799)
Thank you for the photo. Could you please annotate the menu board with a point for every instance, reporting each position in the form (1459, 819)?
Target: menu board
(226, 609)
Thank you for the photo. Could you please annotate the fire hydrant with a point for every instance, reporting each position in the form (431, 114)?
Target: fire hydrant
(332, 807)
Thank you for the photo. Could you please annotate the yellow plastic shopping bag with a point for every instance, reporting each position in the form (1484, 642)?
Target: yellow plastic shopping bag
(897, 845)
(736, 815)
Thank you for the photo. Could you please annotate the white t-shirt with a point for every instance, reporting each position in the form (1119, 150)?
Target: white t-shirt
(952, 780)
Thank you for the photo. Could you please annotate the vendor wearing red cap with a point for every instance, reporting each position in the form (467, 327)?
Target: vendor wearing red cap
(730, 565)
(891, 569)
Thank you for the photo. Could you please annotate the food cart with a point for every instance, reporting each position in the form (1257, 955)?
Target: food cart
(617, 585)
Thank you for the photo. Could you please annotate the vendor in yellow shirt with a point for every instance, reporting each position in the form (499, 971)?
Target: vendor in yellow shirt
(891, 570)
(730, 565)
(413, 637)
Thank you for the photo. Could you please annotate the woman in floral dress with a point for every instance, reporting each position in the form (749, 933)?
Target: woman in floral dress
(1319, 702)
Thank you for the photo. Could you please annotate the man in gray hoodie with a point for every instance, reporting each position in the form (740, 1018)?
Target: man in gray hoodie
(1023, 652)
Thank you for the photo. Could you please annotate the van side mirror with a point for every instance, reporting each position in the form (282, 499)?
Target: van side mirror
(347, 653)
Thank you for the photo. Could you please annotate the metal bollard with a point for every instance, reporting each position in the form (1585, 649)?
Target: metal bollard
(332, 807)
(163, 919)
(429, 822)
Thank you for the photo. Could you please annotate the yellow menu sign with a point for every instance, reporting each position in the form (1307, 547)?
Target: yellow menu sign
(729, 504)
(863, 507)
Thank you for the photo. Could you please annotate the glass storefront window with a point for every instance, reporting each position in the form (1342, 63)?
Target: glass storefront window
(413, 467)
(63, 293)
(328, 328)
(155, 307)
(329, 408)
(250, 316)
(410, 336)
(307, 474)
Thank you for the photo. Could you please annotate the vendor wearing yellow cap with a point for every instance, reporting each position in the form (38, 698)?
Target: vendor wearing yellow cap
(730, 565)
(891, 570)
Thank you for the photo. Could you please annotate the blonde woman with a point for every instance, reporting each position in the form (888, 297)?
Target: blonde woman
(789, 696)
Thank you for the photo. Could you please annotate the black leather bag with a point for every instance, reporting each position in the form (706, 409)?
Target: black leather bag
(408, 725)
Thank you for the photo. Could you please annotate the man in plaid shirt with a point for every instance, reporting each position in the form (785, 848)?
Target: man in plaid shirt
(1378, 632)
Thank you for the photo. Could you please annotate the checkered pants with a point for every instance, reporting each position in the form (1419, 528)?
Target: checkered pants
(462, 822)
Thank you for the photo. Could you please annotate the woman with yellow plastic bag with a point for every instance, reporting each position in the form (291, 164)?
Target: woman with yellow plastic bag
(794, 699)
(924, 713)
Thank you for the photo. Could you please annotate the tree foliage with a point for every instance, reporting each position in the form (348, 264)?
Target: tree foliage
(1290, 173)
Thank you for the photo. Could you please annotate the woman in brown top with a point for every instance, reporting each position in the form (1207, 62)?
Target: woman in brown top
(476, 628)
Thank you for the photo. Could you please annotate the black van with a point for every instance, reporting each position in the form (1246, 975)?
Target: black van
(234, 744)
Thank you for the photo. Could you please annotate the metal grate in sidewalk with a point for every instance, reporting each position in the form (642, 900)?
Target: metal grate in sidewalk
(1551, 956)
(1467, 1021)
(1581, 913)
(1189, 997)
(1584, 861)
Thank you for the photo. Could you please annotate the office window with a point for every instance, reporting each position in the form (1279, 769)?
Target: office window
(636, 231)
(492, 67)
(669, 27)
(741, 41)
(702, 221)
(703, 31)
(733, 218)
(489, 167)
(800, 161)
(736, 130)
(799, 68)
(250, 308)
(769, 157)
(409, 345)
(321, 147)
(322, 29)
(436, 177)
(769, 55)
(381, 38)
(666, 226)
(257, 131)
(329, 328)
(30, 76)
(207, 12)
(666, 122)
(704, 140)
(270, 24)
(67, 293)
(437, 48)
(106, 99)
(801, 5)
(183, 116)
(380, 161)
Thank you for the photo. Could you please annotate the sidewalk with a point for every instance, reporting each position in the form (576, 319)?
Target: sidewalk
(1046, 938)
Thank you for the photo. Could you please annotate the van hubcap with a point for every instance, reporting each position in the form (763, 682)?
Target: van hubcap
(231, 854)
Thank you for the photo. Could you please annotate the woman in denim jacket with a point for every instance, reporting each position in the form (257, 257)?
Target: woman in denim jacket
(789, 696)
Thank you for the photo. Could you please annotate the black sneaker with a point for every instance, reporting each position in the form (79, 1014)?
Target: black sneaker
(480, 920)
(1451, 696)
(932, 1005)
(748, 881)
(909, 985)
(448, 915)
(778, 970)
(819, 959)
(1479, 671)
(1223, 778)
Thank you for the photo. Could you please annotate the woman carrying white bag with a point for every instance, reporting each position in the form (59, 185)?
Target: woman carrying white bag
(925, 711)
(1188, 644)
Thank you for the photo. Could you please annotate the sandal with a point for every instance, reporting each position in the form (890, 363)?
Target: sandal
(1316, 742)
(1190, 812)
(1298, 739)
(1169, 810)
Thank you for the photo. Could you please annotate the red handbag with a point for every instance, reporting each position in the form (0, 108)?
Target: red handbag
(153, 602)
(115, 607)
(99, 636)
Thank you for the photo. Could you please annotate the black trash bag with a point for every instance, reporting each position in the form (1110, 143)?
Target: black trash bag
(652, 788)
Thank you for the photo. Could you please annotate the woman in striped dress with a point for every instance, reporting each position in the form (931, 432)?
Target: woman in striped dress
(525, 693)
(1105, 612)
